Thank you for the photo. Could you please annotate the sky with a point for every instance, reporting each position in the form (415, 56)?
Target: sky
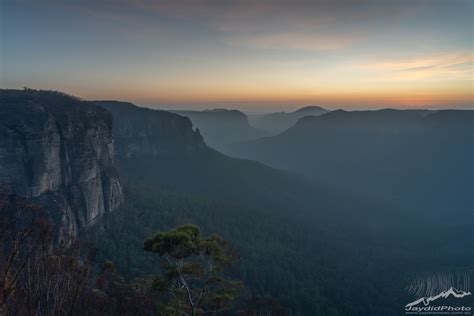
(252, 55)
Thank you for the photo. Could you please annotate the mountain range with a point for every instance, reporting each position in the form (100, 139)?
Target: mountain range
(275, 123)
(415, 158)
(328, 217)
(221, 126)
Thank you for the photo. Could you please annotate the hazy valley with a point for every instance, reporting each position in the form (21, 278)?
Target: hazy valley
(307, 233)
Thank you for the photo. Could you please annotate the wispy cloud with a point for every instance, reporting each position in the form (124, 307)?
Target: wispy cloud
(261, 24)
(442, 66)
(292, 41)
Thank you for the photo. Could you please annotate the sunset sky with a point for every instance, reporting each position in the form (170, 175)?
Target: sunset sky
(251, 55)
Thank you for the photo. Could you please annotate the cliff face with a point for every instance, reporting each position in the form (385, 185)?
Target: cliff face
(221, 127)
(141, 132)
(58, 151)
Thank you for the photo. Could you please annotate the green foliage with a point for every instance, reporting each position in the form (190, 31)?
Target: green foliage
(180, 243)
(192, 271)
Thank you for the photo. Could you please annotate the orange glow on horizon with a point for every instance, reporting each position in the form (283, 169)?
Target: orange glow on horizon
(454, 97)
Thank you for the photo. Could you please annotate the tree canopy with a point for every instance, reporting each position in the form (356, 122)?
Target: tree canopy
(192, 271)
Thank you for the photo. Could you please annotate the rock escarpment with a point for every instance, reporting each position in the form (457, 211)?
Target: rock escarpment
(221, 127)
(141, 132)
(57, 151)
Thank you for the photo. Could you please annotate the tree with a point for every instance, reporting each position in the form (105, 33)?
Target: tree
(37, 274)
(117, 295)
(192, 271)
(24, 236)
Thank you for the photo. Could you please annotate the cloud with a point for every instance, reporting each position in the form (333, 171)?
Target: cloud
(301, 25)
(441, 66)
(262, 24)
(293, 41)
(316, 25)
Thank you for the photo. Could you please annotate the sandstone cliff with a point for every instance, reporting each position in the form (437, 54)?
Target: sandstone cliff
(58, 151)
(140, 132)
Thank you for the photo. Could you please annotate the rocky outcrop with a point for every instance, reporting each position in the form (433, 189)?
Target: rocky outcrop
(142, 132)
(58, 151)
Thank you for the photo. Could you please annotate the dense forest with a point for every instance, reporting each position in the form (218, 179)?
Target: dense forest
(39, 276)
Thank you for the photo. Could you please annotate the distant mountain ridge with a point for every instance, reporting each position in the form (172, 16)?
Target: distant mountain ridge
(275, 123)
(221, 126)
(311, 108)
(397, 155)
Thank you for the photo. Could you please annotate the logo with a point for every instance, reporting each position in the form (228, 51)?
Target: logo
(439, 294)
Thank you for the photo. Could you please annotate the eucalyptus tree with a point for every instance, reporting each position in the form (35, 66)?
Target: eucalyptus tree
(192, 278)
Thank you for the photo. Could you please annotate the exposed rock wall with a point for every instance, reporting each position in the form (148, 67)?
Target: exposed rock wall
(58, 151)
(142, 132)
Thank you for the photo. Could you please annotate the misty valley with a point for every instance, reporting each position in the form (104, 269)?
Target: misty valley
(109, 208)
